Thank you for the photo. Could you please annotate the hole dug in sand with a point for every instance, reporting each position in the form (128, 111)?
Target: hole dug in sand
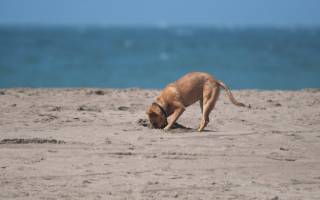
(145, 123)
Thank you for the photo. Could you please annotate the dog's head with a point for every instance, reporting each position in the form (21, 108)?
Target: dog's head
(157, 118)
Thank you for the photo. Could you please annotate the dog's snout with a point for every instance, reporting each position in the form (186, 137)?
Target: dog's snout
(154, 125)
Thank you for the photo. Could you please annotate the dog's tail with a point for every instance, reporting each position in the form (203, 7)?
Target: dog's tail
(232, 99)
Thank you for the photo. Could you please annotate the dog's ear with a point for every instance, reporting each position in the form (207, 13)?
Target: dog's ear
(153, 119)
(152, 110)
(149, 111)
(152, 114)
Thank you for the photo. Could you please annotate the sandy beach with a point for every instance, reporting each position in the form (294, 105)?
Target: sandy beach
(91, 144)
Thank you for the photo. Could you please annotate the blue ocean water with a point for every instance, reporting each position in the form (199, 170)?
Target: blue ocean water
(146, 57)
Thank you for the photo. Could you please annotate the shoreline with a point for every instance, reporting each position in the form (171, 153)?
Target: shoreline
(141, 88)
(87, 143)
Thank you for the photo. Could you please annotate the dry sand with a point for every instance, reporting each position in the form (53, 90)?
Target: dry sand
(88, 144)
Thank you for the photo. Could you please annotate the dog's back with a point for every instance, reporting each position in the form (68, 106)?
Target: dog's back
(190, 87)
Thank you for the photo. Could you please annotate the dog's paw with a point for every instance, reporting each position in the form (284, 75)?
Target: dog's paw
(166, 129)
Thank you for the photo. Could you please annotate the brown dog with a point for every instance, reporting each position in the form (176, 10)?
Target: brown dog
(187, 90)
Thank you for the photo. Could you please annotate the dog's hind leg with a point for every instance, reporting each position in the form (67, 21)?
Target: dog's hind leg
(210, 97)
(201, 105)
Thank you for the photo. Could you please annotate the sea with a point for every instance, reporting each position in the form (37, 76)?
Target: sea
(151, 57)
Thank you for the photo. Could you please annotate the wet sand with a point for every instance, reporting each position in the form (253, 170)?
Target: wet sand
(92, 144)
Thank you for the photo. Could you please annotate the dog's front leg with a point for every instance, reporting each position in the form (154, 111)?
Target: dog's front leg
(176, 114)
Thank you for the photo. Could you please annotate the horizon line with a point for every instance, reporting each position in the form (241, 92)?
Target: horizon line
(160, 26)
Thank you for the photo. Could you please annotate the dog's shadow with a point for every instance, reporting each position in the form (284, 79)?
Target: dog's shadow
(176, 128)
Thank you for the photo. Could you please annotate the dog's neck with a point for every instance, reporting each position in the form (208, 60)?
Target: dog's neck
(162, 107)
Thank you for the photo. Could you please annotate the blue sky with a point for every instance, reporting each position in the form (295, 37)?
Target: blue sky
(161, 12)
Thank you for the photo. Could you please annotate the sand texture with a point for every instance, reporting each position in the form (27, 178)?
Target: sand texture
(91, 144)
